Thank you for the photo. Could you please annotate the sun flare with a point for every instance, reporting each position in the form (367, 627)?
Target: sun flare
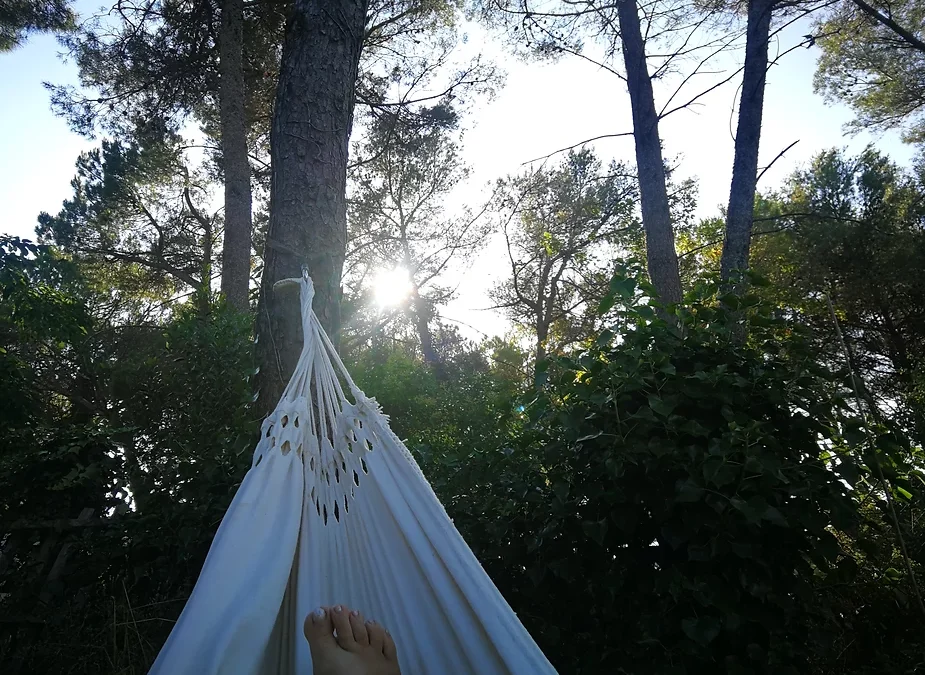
(391, 287)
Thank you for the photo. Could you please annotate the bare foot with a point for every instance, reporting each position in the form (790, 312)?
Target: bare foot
(359, 648)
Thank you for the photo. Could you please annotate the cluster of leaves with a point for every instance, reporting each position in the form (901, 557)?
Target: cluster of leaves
(18, 18)
(146, 425)
(443, 414)
(675, 501)
(851, 228)
(873, 59)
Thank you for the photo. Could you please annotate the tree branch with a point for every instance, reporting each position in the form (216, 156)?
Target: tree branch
(881, 18)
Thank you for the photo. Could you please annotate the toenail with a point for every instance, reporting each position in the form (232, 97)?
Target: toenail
(371, 622)
(319, 613)
(354, 613)
(338, 609)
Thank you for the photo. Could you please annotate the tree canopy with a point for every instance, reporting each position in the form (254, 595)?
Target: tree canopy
(18, 18)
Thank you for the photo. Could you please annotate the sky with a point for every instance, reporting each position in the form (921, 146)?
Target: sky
(541, 108)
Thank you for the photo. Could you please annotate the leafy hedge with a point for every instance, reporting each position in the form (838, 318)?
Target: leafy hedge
(675, 501)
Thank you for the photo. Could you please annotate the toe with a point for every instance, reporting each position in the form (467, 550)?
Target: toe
(340, 615)
(358, 623)
(318, 628)
(376, 635)
(389, 648)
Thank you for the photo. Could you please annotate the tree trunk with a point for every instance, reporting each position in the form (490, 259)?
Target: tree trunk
(543, 311)
(421, 322)
(236, 255)
(539, 354)
(661, 257)
(204, 293)
(312, 119)
(741, 211)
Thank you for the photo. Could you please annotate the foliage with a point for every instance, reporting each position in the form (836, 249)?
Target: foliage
(18, 18)
(441, 419)
(670, 501)
(562, 227)
(397, 217)
(43, 329)
(147, 425)
(851, 227)
(876, 66)
(135, 208)
(676, 498)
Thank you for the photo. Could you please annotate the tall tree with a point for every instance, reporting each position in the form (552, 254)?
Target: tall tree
(563, 227)
(139, 207)
(661, 256)
(397, 215)
(312, 121)
(873, 59)
(236, 252)
(739, 214)
(218, 64)
(653, 40)
(182, 61)
(851, 227)
(18, 18)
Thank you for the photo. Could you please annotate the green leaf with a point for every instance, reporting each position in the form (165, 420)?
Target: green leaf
(604, 338)
(668, 369)
(623, 287)
(702, 630)
(694, 428)
(595, 530)
(645, 312)
(561, 488)
(718, 472)
(661, 406)
(774, 516)
(689, 491)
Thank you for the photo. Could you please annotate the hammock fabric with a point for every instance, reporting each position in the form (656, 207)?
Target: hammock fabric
(334, 510)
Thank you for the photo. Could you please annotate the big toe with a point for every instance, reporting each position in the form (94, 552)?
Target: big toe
(319, 629)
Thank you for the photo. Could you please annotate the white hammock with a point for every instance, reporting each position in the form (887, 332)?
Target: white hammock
(334, 510)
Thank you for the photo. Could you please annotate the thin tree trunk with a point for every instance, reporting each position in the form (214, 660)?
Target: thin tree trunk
(662, 259)
(741, 211)
(421, 321)
(312, 119)
(543, 311)
(539, 354)
(236, 254)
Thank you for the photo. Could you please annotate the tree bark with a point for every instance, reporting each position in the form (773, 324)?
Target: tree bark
(312, 120)
(539, 353)
(661, 257)
(236, 254)
(422, 323)
(741, 212)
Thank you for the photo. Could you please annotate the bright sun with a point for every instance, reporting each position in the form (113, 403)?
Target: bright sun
(391, 287)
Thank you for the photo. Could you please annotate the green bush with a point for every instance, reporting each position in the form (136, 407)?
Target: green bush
(673, 502)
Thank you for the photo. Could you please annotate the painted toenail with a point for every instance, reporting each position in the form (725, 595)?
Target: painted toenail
(319, 613)
(338, 609)
(371, 622)
(354, 613)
